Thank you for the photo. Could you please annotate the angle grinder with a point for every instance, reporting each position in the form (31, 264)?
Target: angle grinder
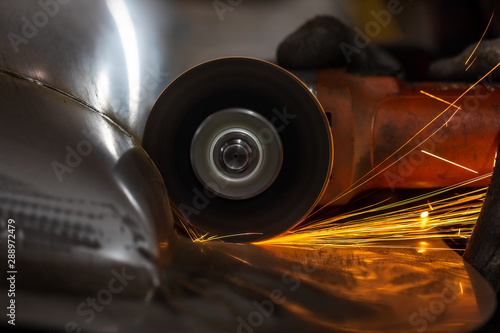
(248, 149)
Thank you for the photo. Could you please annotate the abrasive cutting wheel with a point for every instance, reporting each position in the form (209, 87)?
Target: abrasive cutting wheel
(243, 146)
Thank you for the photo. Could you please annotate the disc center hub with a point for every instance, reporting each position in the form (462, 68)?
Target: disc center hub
(236, 153)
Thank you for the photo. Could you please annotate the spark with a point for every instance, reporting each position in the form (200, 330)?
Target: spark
(424, 215)
(198, 235)
(238, 258)
(206, 238)
(484, 33)
(470, 64)
(461, 288)
(439, 99)
(443, 159)
(360, 182)
(379, 225)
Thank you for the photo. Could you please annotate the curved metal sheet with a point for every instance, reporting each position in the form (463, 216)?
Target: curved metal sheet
(217, 287)
(111, 55)
(86, 199)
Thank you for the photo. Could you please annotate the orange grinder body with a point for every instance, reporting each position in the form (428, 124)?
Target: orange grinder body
(384, 131)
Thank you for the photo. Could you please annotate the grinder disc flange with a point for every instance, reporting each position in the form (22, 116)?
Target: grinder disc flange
(251, 118)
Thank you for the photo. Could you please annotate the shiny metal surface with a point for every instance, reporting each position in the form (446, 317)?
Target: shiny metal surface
(113, 55)
(86, 199)
(236, 155)
(232, 130)
(220, 287)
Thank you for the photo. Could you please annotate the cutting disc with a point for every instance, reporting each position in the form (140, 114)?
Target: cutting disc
(243, 145)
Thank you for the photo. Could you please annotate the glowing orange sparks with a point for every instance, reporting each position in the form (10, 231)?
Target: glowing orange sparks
(448, 161)
(439, 99)
(484, 33)
(470, 64)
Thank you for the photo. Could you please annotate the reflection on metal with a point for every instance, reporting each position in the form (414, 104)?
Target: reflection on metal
(341, 290)
(126, 30)
(98, 53)
(85, 197)
(218, 287)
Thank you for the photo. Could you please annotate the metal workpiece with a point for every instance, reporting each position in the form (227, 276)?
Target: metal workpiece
(88, 203)
(224, 287)
(113, 56)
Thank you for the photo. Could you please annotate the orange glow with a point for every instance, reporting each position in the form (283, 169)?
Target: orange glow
(376, 225)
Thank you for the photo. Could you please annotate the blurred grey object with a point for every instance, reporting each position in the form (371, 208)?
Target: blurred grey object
(321, 42)
(481, 61)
